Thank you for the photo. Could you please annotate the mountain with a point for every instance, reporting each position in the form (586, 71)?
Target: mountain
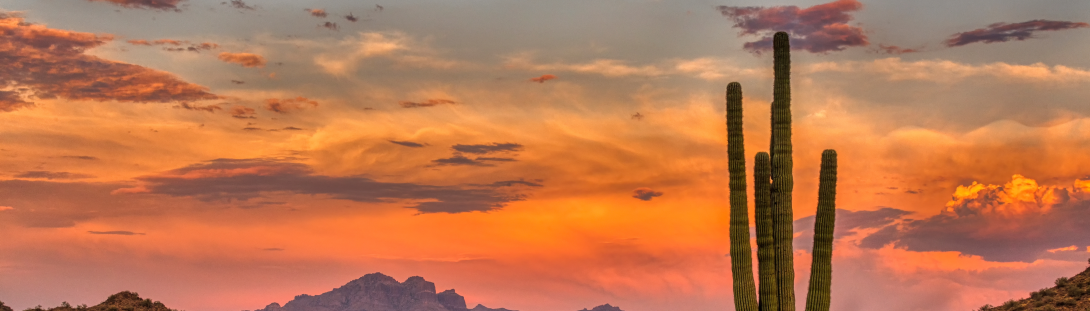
(378, 292)
(126, 300)
(1069, 294)
(605, 307)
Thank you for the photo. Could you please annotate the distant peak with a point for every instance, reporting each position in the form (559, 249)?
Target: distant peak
(605, 307)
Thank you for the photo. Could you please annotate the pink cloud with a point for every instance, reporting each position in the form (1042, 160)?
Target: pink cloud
(818, 29)
(543, 78)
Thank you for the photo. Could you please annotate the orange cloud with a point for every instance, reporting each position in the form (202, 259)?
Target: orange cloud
(317, 12)
(245, 59)
(139, 42)
(289, 104)
(50, 63)
(166, 5)
(543, 78)
(1064, 249)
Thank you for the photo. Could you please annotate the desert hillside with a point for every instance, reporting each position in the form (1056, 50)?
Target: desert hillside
(1068, 294)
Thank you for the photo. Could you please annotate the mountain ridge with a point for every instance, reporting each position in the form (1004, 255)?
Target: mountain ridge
(379, 292)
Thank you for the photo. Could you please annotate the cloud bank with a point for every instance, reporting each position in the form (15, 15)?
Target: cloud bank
(1017, 221)
(46, 63)
(245, 179)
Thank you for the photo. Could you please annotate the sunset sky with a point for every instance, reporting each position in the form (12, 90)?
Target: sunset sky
(553, 155)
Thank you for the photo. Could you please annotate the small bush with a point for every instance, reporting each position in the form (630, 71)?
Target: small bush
(985, 308)
(1060, 282)
(1009, 304)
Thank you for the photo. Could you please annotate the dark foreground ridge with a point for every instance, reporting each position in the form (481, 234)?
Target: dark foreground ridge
(378, 292)
(1069, 294)
(128, 301)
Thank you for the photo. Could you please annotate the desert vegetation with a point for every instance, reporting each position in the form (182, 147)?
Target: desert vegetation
(773, 185)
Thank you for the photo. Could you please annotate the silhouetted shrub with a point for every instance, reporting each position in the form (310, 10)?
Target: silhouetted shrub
(985, 308)
(1009, 304)
(1062, 281)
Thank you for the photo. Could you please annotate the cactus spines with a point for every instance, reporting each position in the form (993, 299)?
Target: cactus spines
(821, 269)
(773, 186)
(782, 183)
(741, 263)
(766, 256)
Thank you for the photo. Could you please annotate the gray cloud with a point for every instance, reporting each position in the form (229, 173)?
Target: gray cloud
(459, 160)
(488, 148)
(509, 183)
(407, 143)
(645, 194)
(115, 232)
(239, 4)
(496, 159)
(244, 179)
(165, 5)
(52, 175)
(1003, 32)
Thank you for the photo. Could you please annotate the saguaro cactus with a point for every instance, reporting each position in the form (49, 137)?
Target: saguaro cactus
(773, 185)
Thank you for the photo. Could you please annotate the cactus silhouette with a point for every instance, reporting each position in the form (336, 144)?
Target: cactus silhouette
(773, 185)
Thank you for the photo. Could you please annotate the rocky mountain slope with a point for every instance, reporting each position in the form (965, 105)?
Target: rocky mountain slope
(1069, 294)
(378, 292)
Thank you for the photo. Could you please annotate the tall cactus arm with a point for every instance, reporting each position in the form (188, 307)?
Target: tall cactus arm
(782, 183)
(766, 256)
(821, 272)
(741, 264)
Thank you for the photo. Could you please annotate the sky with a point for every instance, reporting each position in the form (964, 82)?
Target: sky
(533, 155)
